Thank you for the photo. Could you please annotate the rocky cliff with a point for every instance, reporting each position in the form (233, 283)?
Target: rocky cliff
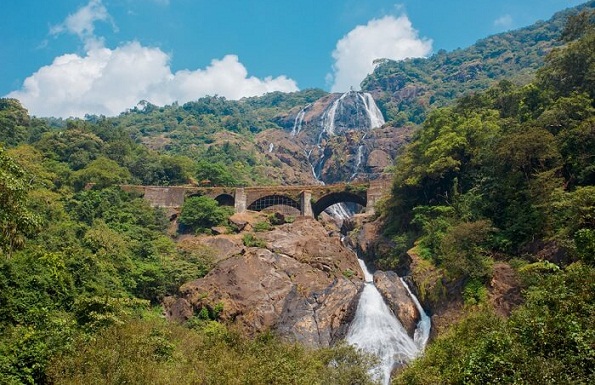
(340, 137)
(303, 285)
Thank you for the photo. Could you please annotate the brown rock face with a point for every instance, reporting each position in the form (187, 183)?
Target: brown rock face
(297, 286)
(504, 289)
(398, 299)
(378, 160)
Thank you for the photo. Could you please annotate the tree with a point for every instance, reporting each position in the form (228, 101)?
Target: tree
(214, 174)
(16, 221)
(200, 213)
(14, 121)
(102, 171)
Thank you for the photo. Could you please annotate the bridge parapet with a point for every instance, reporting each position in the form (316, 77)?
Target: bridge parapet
(309, 200)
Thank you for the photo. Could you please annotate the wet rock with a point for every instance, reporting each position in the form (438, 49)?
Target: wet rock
(398, 299)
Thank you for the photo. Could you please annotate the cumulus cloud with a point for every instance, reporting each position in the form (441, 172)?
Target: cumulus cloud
(389, 37)
(504, 21)
(108, 81)
(82, 23)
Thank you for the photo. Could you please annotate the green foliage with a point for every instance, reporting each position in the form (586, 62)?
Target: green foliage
(465, 250)
(409, 89)
(549, 340)
(475, 292)
(75, 146)
(584, 240)
(504, 156)
(262, 226)
(151, 351)
(14, 122)
(201, 213)
(348, 273)
(26, 350)
(16, 221)
(101, 172)
(250, 240)
(214, 174)
(572, 216)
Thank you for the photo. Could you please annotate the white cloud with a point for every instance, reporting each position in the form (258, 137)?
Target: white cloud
(504, 21)
(389, 37)
(82, 23)
(106, 81)
(109, 81)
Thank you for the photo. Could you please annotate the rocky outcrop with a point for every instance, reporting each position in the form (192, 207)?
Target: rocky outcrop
(504, 289)
(365, 236)
(303, 285)
(397, 297)
(339, 137)
(441, 298)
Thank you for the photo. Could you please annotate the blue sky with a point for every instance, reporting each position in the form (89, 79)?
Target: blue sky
(72, 57)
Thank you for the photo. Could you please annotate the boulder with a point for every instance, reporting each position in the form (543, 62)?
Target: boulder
(224, 246)
(378, 160)
(219, 230)
(177, 308)
(398, 299)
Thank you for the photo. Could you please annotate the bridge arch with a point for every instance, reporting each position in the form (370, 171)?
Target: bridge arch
(225, 200)
(272, 200)
(336, 197)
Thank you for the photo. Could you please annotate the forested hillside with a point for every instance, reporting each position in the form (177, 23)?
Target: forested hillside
(508, 176)
(407, 90)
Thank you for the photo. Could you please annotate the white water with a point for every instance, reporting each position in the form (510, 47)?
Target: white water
(328, 117)
(376, 330)
(327, 124)
(376, 118)
(358, 161)
(422, 332)
(299, 120)
(271, 147)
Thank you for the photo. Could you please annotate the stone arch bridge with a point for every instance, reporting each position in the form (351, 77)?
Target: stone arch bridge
(309, 200)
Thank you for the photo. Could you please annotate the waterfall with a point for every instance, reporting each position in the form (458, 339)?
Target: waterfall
(363, 102)
(358, 161)
(271, 147)
(327, 120)
(376, 118)
(376, 330)
(299, 120)
(422, 332)
(328, 117)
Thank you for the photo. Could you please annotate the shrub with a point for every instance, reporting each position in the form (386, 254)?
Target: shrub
(202, 213)
(251, 241)
(262, 226)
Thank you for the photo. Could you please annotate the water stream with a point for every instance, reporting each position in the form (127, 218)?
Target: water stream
(376, 330)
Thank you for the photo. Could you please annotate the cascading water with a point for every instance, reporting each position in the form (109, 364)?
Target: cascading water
(376, 330)
(358, 159)
(328, 117)
(328, 127)
(299, 120)
(422, 332)
(376, 118)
